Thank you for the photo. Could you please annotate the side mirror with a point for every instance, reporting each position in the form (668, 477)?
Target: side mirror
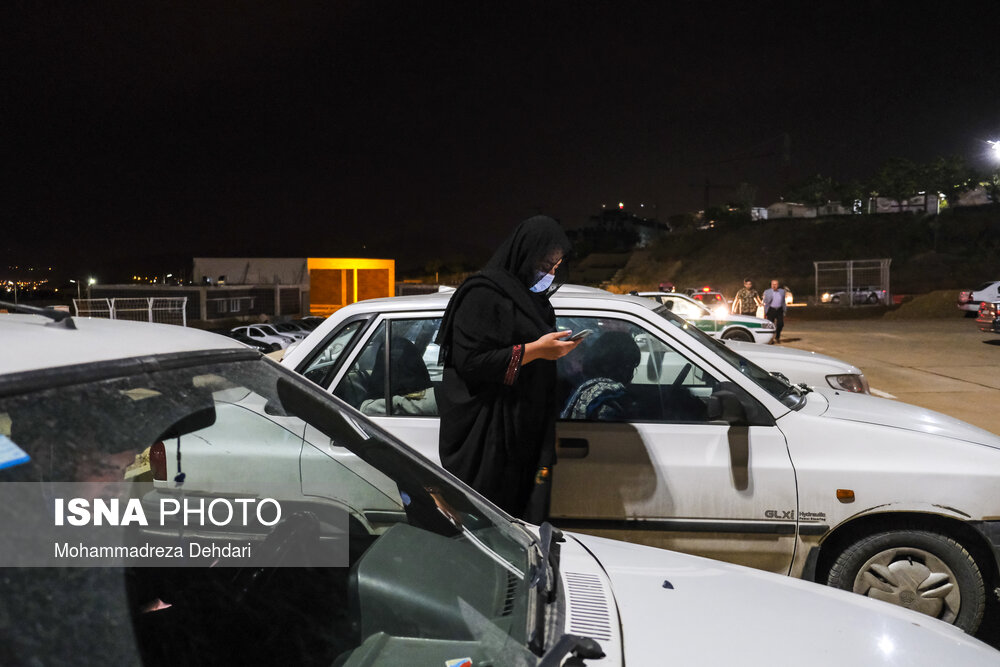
(725, 405)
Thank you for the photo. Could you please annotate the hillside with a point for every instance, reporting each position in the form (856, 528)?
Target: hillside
(954, 250)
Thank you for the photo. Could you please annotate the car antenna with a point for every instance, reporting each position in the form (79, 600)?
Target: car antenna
(59, 317)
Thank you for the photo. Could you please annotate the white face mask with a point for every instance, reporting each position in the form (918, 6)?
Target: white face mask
(544, 280)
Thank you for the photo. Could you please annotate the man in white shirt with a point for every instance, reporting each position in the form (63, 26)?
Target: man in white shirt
(775, 307)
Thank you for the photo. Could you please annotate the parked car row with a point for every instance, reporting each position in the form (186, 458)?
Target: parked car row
(275, 336)
(798, 479)
(433, 573)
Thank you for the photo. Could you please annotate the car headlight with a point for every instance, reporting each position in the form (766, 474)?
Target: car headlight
(767, 327)
(857, 384)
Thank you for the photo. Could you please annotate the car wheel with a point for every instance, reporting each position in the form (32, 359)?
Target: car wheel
(834, 299)
(275, 347)
(872, 298)
(738, 334)
(917, 569)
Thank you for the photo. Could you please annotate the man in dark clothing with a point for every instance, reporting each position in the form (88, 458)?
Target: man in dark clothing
(498, 347)
(775, 308)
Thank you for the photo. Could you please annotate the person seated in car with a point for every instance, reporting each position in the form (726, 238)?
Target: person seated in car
(409, 382)
(609, 364)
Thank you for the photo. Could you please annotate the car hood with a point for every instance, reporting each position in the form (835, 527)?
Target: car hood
(771, 356)
(744, 319)
(895, 414)
(684, 610)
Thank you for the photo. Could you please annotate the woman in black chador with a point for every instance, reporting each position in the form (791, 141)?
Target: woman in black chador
(499, 345)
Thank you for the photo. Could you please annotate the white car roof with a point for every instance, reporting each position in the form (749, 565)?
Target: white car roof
(33, 342)
(568, 295)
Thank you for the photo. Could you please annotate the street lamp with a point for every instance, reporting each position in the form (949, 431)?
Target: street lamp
(77, 288)
(995, 149)
(90, 281)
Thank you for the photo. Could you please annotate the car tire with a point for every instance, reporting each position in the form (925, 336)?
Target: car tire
(834, 299)
(918, 569)
(738, 334)
(872, 298)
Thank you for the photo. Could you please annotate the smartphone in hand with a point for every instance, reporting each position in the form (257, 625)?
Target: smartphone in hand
(579, 335)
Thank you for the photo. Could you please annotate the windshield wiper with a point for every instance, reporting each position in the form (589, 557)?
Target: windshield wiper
(582, 648)
(544, 579)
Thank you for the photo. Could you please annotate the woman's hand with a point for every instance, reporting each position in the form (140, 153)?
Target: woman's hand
(551, 346)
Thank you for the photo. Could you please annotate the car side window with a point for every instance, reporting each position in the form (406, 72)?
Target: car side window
(623, 372)
(406, 376)
(320, 368)
(358, 385)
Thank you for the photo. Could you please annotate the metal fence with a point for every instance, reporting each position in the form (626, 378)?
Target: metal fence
(852, 283)
(164, 310)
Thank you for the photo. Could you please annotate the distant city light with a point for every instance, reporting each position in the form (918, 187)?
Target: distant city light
(621, 205)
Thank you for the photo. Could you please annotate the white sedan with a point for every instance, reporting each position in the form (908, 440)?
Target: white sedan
(712, 455)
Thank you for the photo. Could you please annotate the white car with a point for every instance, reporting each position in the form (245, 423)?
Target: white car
(866, 295)
(432, 574)
(969, 300)
(715, 456)
(267, 334)
(723, 325)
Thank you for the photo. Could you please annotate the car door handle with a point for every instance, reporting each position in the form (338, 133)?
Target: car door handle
(572, 448)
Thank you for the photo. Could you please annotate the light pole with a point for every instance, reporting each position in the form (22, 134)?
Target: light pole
(90, 281)
(77, 288)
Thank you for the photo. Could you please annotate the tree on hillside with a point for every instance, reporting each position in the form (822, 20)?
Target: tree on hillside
(814, 191)
(897, 179)
(951, 176)
(992, 184)
(849, 194)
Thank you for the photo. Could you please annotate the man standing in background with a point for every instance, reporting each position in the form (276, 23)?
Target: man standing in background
(746, 300)
(775, 307)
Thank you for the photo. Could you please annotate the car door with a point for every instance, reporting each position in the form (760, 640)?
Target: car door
(384, 369)
(648, 465)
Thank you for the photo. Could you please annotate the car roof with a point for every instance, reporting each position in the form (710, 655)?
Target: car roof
(568, 295)
(35, 342)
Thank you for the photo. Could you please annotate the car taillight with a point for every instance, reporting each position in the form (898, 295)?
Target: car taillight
(158, 461)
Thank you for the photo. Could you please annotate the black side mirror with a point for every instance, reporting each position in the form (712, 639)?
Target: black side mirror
(725, 405)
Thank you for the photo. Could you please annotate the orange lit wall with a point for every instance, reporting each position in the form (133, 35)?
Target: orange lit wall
(337, 282)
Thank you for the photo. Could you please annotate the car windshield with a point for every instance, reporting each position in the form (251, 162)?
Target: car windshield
(378, 556)
(773, 384)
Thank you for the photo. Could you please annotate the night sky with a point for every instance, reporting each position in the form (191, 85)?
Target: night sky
(134, 132)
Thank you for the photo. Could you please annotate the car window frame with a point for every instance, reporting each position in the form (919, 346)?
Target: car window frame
(361, 339)
(331, 376)
(684, 345)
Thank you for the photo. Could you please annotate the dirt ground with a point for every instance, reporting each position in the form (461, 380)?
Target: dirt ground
(946, 365)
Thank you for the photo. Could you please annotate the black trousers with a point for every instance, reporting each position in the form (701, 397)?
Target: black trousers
(776, 315)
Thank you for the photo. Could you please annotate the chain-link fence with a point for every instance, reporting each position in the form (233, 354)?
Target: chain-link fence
(165, 310)
(853, 282)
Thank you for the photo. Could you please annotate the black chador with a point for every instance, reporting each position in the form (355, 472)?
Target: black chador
(497, 416)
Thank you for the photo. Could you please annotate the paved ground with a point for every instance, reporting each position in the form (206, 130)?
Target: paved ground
(946, 365)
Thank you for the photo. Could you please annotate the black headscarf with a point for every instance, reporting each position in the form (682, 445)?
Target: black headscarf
(533, 247)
